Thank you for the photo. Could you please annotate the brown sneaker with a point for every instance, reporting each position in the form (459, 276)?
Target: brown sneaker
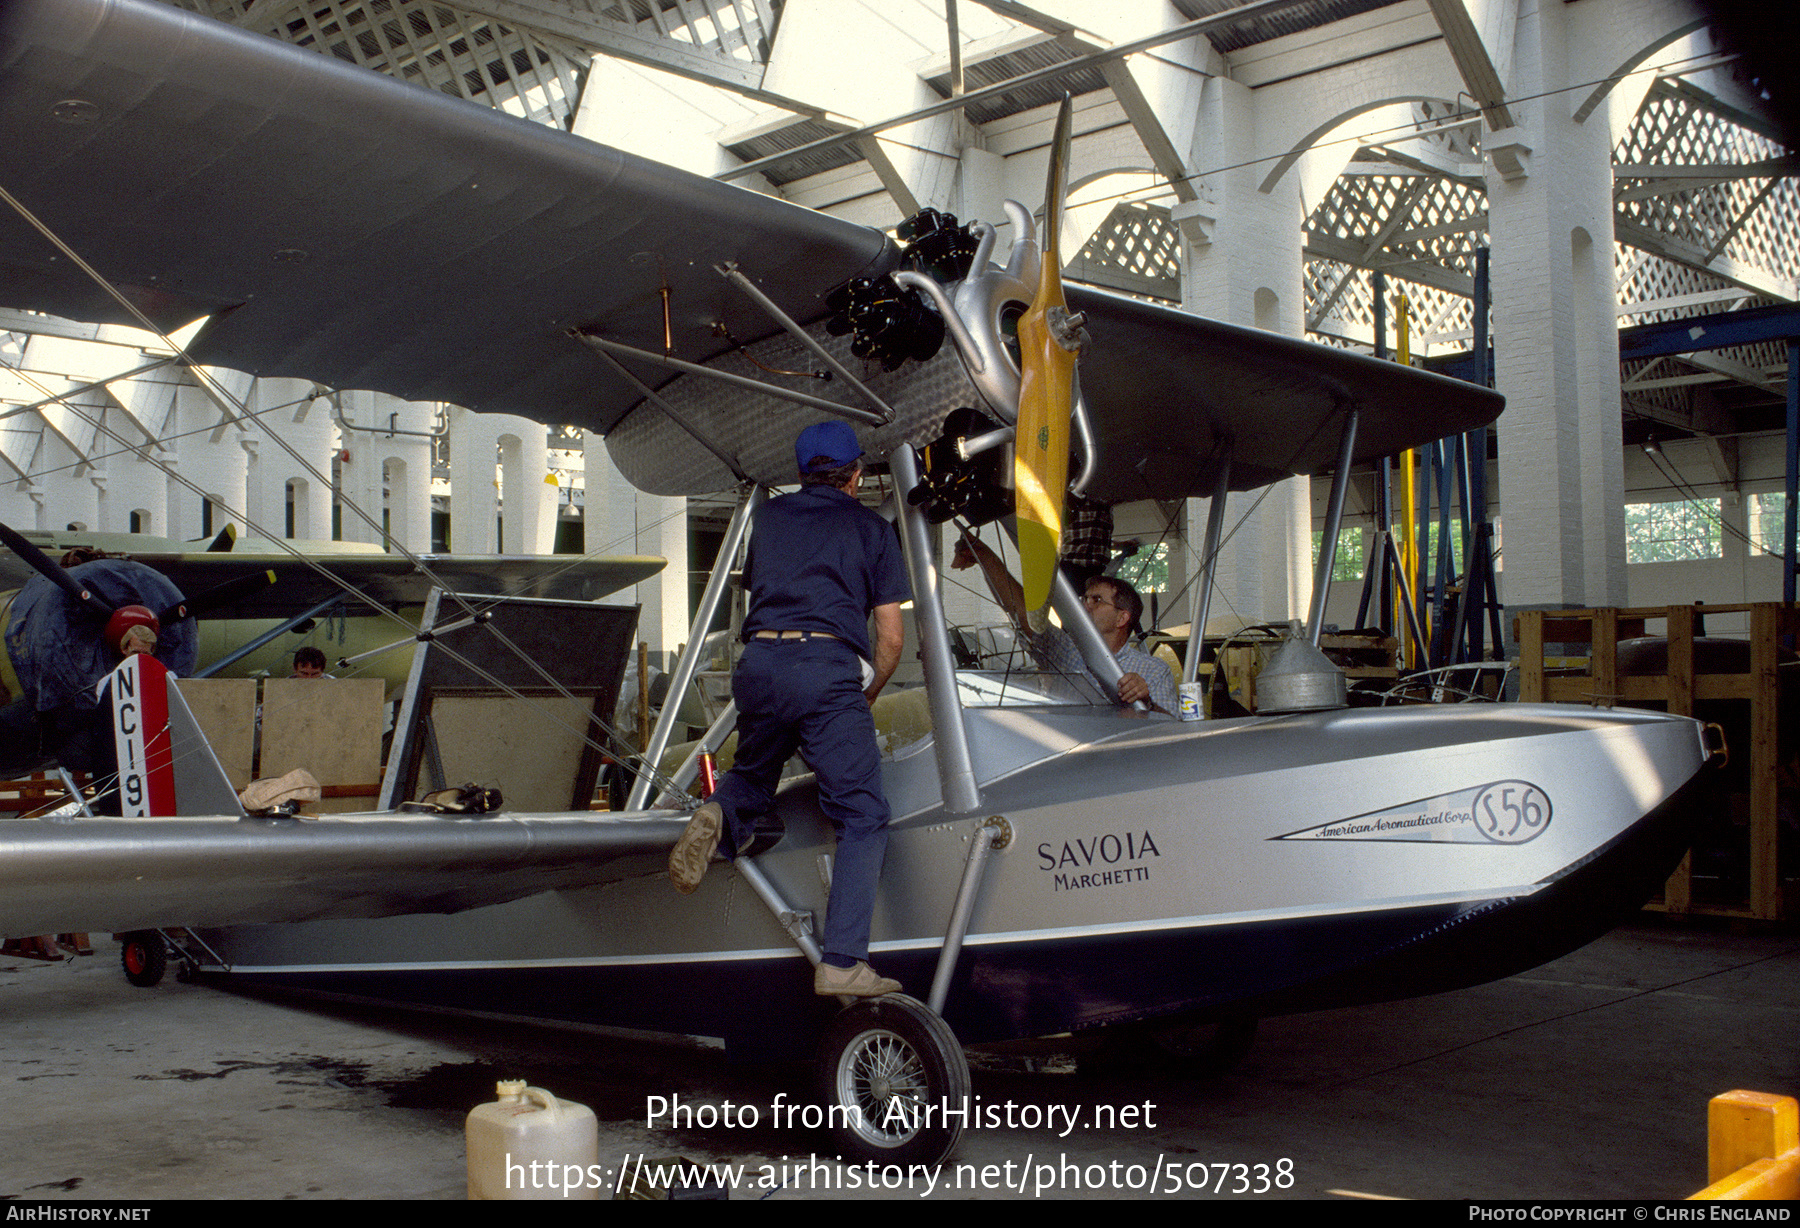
(694, 851)
(860, 981)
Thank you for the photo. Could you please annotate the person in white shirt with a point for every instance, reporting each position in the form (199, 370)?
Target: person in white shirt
(1113, 606)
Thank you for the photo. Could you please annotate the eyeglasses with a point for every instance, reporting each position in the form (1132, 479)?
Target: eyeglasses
(1100, 599)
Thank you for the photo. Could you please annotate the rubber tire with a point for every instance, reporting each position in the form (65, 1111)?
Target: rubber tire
(897, 1032)
(144, 958)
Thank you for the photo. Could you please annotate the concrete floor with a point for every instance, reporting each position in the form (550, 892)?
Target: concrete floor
(1587, 1078)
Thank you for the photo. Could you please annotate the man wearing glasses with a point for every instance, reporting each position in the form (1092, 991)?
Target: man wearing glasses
(1113, 606)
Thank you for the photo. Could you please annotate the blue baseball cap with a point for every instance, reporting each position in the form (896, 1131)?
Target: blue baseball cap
(833, 440)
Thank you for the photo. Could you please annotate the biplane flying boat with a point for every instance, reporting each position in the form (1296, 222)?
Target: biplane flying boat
(1054, 866)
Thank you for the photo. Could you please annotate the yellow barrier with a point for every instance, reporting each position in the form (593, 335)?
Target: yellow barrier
(1752, 1147)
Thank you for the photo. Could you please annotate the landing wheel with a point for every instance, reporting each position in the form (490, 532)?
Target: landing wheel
(144, 957)
(888, 1068)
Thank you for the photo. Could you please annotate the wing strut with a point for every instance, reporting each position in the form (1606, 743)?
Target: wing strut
(1334, 514)
(675, 415)
(727, 377)
(1209, 564)
(950, 738)
(884, 412)
(267, 637)
(749, 499)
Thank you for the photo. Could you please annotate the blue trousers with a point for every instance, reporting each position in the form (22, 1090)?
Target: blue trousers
(806, 695)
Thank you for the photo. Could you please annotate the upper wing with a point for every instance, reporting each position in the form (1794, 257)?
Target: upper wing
(1168, 393)
(343, 226)
(302, 583)
(346, 227)
(1169, 390)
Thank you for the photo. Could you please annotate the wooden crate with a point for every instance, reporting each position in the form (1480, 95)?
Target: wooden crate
(1678, 689)
(332, 728)
(1359, 656)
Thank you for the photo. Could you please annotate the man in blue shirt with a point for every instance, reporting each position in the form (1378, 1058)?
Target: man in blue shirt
(820, 564)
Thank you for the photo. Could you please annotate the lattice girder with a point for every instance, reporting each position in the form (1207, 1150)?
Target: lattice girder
(1737, 227)
(432, 45)
(1136, 250)
(1412, 208)
(1690, 244)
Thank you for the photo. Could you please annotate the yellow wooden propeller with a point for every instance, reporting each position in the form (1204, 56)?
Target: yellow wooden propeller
(1046, 393)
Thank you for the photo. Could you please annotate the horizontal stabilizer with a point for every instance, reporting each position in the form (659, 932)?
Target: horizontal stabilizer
(123, 874)
(303, 582)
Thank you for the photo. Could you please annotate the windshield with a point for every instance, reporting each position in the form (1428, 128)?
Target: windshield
(999, 688)
(1000, 672)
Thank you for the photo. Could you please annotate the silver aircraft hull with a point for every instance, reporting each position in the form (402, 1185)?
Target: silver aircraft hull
(1258, 866)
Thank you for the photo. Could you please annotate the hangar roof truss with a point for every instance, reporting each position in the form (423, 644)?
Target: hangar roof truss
(1136, 250)
(527, 57)
(1706, 198)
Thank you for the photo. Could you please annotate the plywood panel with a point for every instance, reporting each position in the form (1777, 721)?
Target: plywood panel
(329, 726)
(528, 749)
(225, 709)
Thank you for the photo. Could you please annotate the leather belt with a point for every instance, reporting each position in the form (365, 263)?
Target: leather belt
(793, 635)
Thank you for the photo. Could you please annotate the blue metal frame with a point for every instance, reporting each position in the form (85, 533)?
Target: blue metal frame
(1685, 336)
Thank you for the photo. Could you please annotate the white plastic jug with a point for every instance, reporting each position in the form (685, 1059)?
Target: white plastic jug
(530, 1145)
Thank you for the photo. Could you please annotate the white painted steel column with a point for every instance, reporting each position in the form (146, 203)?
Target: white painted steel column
(1550, 210)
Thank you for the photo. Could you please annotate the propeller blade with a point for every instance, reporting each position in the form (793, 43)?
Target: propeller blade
(223, 543)
(54, 573)
(213, 598)
(1046, 394)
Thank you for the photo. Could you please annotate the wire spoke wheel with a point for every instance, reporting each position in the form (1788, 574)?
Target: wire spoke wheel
(883, 1077)
(889, 1069)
